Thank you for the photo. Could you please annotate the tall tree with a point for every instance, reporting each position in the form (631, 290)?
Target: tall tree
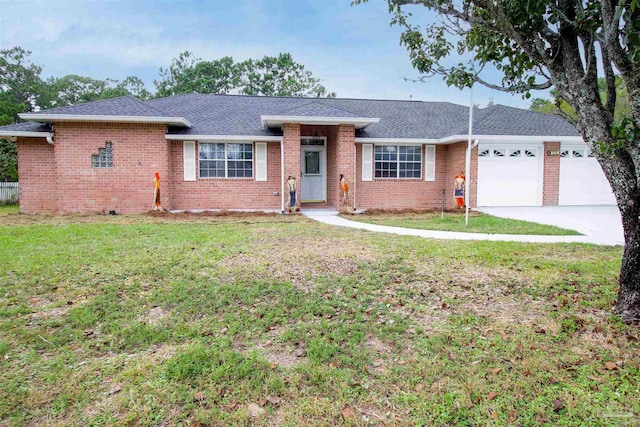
(280, 76)
(20, 84)
(130, 86)
(273, 76)
(568, 44)
(72, 89)
(20, 90)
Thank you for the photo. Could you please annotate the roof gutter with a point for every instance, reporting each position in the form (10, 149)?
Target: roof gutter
(224, 138)
(49, 118)
(461, 138)
(17, 133)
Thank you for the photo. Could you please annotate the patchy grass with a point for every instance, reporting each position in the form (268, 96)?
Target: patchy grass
(454, 221)
(9, 209)
(197, 320)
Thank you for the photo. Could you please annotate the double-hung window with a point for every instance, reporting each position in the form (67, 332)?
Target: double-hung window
(398, 161)
(225, 160)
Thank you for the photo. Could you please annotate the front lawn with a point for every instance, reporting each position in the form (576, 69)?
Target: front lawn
(278, 320)
(454, 221)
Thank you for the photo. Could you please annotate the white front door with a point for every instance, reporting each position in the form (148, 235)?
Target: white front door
(314, 173)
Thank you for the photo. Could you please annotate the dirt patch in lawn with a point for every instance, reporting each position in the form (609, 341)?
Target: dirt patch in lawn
(293, 259)
(276, 354)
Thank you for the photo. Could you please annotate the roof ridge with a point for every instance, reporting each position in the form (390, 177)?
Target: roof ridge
(165, 114)
(292, 108)
(322, 104)
(338, 108)
(97, 101)
(239, 95)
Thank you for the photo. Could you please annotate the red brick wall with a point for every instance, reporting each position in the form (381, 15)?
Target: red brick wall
(455, 164)
(225, 193)
(551, 175)
(345, 163)
(37, 176)
(291, 135)
(390, 193)
(139, 150)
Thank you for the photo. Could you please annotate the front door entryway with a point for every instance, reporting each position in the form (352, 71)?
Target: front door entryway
(313, 167)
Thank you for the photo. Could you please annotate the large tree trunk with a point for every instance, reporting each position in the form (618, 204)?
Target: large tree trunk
(619, 166)
(628, 306)
(621, 171)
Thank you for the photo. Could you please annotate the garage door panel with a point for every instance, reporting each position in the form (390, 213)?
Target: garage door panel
(509, 181)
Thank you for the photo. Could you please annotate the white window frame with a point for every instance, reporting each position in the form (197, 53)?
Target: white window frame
(398, 161)
(227, 160)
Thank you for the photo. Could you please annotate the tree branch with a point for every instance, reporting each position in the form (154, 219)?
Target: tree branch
(610, 78)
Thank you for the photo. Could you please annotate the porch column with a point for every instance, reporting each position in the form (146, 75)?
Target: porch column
(345, 163)
(291, 135)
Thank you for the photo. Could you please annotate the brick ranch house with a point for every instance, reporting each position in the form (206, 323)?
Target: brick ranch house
(235, 152)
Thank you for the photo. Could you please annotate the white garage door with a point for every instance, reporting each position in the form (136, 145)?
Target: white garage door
(509, 176)
(582, 181)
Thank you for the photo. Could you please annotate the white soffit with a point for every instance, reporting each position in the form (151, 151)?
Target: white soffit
(278, 121)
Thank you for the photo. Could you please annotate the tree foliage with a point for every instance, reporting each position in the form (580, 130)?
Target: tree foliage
(560, 107)
(568, 44)
(271, 75)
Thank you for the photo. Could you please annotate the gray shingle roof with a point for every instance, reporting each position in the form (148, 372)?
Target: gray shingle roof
(503, 120)
(317, 109)
(27, 127)
(120, 106)
(240, 115)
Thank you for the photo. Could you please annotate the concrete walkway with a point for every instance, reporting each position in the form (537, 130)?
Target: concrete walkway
(330, 217)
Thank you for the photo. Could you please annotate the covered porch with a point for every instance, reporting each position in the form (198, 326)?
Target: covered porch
(316, 150)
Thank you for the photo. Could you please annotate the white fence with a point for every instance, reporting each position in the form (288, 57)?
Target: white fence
(9, 192)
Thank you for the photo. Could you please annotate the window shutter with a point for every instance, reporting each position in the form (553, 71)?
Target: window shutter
(189, 160)
(430, 163)
(261, 161)
(367, 162)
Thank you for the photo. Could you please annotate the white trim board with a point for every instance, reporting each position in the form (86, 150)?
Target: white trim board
(224, 138)
(495, 139)
(277, 121)
(48, 118)
(11, 133)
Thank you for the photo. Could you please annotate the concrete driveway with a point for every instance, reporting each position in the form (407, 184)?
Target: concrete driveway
(602, 224)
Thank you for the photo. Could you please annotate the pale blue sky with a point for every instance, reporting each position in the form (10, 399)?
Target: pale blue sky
(351, 48)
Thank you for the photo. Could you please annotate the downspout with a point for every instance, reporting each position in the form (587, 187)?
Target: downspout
(355, 173)
(50, 140)
(282, 174)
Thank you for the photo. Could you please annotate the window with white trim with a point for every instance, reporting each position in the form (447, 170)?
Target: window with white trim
(398, 161)
(225, 160)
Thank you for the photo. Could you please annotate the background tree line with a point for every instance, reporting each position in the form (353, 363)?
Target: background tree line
(23, 89)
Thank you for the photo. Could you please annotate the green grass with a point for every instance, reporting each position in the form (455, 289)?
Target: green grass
(187, 320)
(453, 221)
(9, 209)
